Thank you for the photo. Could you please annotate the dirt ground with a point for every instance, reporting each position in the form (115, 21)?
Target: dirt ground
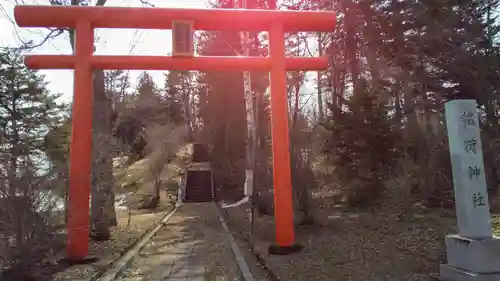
(357, 244)
(123, 236)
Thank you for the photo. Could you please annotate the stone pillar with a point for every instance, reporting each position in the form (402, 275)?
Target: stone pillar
(473, 253)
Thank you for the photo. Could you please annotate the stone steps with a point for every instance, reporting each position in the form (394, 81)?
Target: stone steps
(198, 186)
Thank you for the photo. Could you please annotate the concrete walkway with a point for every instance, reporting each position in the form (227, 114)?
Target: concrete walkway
(191, 246)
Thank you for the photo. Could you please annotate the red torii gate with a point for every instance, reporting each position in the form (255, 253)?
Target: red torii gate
(85, 19)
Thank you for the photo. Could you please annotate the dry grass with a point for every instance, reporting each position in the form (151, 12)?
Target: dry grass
(106, 251)
(136, 175)
(130, 178)
(358, 245)
(125, 233)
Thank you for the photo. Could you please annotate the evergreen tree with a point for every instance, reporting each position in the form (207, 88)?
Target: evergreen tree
(409, 58)
(28, 111)
(179, 96)
(57, 143)
(117, 82)
(223, 127)
(149, 107)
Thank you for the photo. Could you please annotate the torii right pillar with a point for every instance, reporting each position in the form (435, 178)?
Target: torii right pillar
(282, 176)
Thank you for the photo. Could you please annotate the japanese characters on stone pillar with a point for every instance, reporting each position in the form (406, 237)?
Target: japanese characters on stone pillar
(469, 181)
(473, 254)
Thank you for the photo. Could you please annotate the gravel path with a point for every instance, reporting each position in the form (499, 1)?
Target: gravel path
(191, 246)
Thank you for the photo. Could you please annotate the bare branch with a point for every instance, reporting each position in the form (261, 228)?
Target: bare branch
(306, 101)
(135, 39)
(58, 2)
(147, 3)
(100, 2)
(26, 45)
(6, 15)
(30, 45)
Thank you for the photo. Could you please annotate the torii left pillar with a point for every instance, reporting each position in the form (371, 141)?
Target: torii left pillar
(81, 144)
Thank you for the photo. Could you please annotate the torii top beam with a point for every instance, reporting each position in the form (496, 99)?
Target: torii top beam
(161, 18)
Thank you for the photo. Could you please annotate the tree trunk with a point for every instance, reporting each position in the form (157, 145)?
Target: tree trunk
(299, 168)
(351, 45)
(399, 110)
(16, 146)
(102, 210)
(320, 97)
(186, 100)
(102, 200)
(157, 199)
(250, 114)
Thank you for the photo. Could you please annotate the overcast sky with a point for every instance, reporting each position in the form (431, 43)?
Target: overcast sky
(109, 41)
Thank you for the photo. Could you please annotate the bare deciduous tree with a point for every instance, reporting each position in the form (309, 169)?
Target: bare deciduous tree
(163, 143)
